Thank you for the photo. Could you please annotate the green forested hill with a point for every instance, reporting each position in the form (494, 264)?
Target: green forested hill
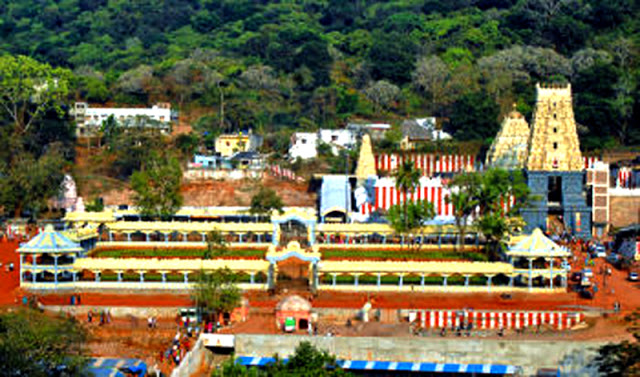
(280, 65)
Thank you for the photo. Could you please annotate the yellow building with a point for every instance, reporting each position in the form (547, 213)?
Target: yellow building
(228, 145)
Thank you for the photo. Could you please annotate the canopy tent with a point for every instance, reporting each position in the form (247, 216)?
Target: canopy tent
(50, 241)
(348, 365)
(537, 245)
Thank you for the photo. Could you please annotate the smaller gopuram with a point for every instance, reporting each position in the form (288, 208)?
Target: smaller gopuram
(510, 148)
(555, 166)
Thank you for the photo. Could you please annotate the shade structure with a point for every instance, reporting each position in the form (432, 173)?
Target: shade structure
(50, 241)
(538, 245)
(497, 369)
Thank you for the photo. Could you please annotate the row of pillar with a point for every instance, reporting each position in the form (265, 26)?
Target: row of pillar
(203, 236)
(402, 239)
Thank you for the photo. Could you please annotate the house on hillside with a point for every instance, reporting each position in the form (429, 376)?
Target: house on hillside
(304, 145)
(89, 120)
(245, 141)
(420, 130)
(375, 130)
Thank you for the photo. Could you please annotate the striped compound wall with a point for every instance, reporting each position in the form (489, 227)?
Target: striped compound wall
(428, 163)
(432, 190)
(496, 320)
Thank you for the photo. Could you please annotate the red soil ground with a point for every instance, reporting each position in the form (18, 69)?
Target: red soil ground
(122, 339)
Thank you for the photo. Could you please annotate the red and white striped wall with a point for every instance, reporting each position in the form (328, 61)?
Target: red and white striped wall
(589, 161)
(432, 190)
(429, 164)
(482, 319)
(624, 178)
(366, 208)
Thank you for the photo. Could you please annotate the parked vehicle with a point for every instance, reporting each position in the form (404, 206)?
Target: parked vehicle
(633, 276)
(587, 272)
(600, 251)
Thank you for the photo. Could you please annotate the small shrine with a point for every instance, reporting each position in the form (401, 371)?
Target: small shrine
(293, 313)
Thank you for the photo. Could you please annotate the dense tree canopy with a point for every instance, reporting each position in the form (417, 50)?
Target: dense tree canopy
(35, 344)
(305, 64)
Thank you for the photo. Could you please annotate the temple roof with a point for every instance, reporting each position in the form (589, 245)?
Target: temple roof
(538, 245)
(50, 241)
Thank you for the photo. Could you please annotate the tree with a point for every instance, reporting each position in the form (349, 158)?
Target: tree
(216, 292)
(407, 180)
(464, 199)
(35, 344)
(28, 181)
(217, 245)
(431, 76)
(29, 88)
(409, 218)
(382, 93)
(265, 201)
(621, 359)
(157, 187)
(474, 117)
(497, 186)
(392, 57)
(306, 361)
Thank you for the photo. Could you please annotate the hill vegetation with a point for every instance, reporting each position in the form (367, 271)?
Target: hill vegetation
(285, 66)
(303, 64)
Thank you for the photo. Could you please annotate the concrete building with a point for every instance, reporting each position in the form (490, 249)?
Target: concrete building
(89, 120)
(304, 145)
(338, 139)
(230, 144)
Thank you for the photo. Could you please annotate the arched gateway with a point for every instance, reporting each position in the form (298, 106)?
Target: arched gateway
(293, 268)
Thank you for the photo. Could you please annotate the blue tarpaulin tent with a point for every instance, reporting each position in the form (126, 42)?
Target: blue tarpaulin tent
(363, 365)
(111, 367)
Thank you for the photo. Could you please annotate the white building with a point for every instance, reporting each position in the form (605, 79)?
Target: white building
(89, 119)
(304, 145)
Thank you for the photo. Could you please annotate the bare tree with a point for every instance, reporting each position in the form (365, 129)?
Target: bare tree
(382, 93)
(432, 76)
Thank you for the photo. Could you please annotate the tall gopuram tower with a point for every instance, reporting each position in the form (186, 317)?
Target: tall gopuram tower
(510, 148)
(555, 167)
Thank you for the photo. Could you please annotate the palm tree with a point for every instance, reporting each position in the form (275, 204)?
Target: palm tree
(407, 180)
(463, 206)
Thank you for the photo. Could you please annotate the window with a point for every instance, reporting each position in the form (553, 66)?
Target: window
(303, 141)
(334, 138)
(555, 145)
(554, 115)
(555, 130)
(228, 144)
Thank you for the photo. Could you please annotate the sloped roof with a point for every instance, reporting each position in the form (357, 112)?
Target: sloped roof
(414, 130)
(538, 245)
(50, 241)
